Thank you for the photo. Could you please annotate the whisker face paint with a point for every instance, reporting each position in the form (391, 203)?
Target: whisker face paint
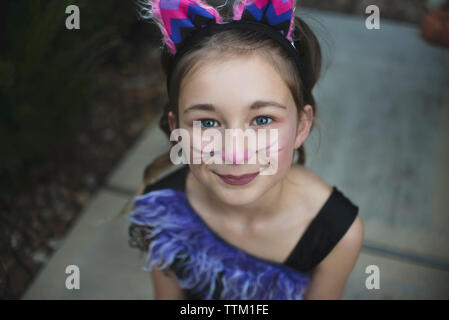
(207, 147)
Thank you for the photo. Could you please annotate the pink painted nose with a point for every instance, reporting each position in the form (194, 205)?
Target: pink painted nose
(235, 157)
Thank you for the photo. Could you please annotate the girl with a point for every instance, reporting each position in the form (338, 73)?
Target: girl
(226, 231)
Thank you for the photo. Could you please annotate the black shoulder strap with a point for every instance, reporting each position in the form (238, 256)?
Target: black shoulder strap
(324, 232)
(173, 180)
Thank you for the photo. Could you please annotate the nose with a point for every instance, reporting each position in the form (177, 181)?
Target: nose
(236, 157)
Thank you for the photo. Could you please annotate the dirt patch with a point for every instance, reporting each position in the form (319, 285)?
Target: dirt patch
(34, 220)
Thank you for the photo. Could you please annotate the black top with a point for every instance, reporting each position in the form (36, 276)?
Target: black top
(323, 233)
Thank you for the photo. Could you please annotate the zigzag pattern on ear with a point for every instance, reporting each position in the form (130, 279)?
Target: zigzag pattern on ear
(277, 13)
(177, 19)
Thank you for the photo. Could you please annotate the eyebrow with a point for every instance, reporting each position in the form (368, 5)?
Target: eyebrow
(254, 106)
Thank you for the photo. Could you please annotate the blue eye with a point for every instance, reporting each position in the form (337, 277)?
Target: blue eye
(207, 123)
(263, 120)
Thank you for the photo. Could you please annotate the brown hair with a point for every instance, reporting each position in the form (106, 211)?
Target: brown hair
(228, 44)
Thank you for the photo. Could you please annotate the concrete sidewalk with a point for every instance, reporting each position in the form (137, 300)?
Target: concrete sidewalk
(383, 108)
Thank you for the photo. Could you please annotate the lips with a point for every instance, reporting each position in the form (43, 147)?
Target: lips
(238, 180)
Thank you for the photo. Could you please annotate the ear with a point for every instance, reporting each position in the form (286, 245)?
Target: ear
(304, 125)
(276, 13)
(177, 19)
(171, 121)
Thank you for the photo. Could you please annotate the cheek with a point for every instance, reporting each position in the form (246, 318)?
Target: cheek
(285, 142)
(194, 144)
(281, 152)
(284, 156)
(281, 143)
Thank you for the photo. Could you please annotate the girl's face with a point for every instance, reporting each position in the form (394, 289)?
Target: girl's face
(240, 93)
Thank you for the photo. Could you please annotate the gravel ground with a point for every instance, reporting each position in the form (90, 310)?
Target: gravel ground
(33, 221)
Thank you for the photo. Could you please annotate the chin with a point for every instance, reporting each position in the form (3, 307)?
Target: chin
(238, 195)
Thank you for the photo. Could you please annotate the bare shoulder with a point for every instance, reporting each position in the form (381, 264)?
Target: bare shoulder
(331, 274)
(353, 239)
(318, 189)
(309, 185)
(347, 250)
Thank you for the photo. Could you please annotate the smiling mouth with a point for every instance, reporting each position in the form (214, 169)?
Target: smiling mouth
(238, 180)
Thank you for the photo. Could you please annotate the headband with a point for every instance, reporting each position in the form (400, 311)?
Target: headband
(185, 22)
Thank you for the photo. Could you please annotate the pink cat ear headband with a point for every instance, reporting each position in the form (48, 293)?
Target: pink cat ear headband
(184, 22)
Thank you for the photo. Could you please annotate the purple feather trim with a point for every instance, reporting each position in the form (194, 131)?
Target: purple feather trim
(177, 232)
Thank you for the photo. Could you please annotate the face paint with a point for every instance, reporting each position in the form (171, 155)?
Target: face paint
(206, 147)
(226, 92)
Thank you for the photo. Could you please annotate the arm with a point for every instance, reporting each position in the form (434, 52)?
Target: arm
(166, 286)
(329, 277)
